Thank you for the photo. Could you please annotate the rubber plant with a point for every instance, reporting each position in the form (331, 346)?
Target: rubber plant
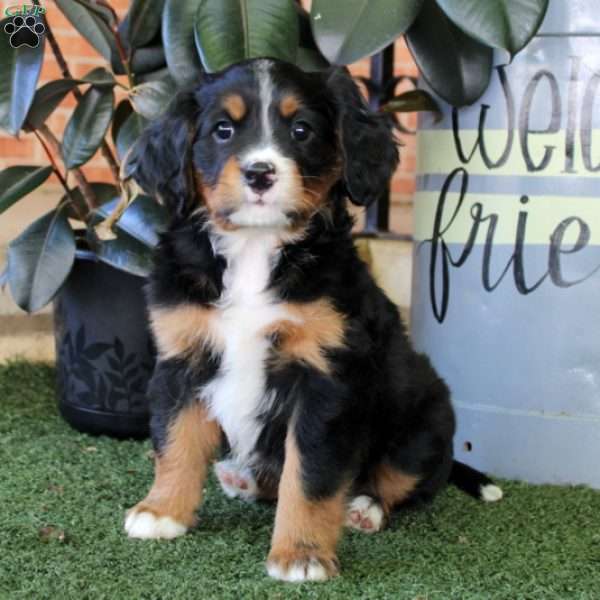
(162, 45)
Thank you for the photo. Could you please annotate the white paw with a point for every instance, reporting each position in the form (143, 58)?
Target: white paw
(145, 525)
(309, 569)
(365, 514)
(236, 480)
(490, 493)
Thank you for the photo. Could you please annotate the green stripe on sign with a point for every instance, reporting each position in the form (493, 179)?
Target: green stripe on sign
(543, 215)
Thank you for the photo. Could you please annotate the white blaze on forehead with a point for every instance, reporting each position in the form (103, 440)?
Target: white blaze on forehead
(265, 94)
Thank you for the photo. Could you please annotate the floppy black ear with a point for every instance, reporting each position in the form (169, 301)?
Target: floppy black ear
(368, 145)
(160, 161)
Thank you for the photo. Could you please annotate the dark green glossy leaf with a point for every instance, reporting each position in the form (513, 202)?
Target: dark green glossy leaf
(122, 112)
(143, 21)
(104, 13)
(40, 260)
(309, 56)
(46, 99)
(19, 74)
(150, 99)
(228, 31)
(143, 219)
(414, 100)
(130, 131)
(455, 65)
(126, 254)
(90, 25)
(348, 31)
(86, 127)
(99, 77)
(17, 182)
(505, 24)
(104, 192)
(146, 60)
(160, 75)
(311, 60)
(178, 37)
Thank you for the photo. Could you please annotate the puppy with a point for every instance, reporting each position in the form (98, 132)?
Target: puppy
(271, 333)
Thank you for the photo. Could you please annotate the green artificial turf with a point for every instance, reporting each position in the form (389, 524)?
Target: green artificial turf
(63, 495)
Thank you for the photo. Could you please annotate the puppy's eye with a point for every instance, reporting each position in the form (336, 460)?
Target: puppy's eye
(301, 131)
(223, 131)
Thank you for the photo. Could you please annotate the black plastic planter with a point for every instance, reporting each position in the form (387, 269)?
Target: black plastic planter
(104, 350)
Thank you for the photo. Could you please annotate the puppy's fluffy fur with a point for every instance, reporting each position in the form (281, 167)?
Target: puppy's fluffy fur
(271, 333)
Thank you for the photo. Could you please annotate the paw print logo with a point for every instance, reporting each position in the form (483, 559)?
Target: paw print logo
(24, 31)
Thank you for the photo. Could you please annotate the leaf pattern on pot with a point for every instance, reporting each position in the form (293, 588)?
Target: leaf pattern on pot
(102, 375)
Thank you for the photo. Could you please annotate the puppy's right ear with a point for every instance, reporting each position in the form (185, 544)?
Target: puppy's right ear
(160, 161)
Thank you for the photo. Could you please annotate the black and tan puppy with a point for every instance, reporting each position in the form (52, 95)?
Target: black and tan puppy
(270, 330)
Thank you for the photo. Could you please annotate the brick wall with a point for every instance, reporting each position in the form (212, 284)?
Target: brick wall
(81, 58)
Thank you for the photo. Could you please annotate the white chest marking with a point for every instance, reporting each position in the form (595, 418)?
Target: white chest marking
(238, 392)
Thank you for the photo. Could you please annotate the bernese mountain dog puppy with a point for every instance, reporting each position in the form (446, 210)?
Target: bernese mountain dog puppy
(272, 336)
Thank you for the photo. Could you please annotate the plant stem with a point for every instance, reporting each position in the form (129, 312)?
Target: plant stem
(86, 190)
(58, 174)
(60, 59)
(125, 58)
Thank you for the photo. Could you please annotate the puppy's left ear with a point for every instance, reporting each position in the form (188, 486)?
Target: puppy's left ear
(160, 161)
(369, 149)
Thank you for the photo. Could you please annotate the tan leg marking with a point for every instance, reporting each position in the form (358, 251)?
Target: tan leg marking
(316, 326)
(180, 469)
(392, 486)
(306, 531)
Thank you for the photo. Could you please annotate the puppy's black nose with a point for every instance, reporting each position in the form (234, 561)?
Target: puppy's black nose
(260, 176)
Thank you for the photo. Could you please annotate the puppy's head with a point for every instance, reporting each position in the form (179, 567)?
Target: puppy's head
(262, 144)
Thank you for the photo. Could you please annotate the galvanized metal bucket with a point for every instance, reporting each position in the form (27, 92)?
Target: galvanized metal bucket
(506, 279)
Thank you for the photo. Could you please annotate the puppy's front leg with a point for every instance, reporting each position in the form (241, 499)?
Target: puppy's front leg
(306, 528)
(185, 440)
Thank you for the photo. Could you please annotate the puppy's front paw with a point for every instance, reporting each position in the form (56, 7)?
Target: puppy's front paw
(365, 514)
(301, 566)
(145, 524)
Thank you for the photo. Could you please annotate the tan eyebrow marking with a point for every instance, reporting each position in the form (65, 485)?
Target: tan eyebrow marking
(289, 105)
(236, 107)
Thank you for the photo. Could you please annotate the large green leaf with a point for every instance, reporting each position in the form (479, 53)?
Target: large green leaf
(86, 127)
(46, 99)
(412, 101)
(505, 24)
(151, 98)
(146, 60)
(121, 114)
(348, 31)
(40, 260)
(144, 219)
(455, 65)
(90, 25)
(16, 182)
(19, 74)
(143, 21)
(228, 31)
(99, 77)
(103, 192)
(129, 132)
(178, 38)
(126, 254)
